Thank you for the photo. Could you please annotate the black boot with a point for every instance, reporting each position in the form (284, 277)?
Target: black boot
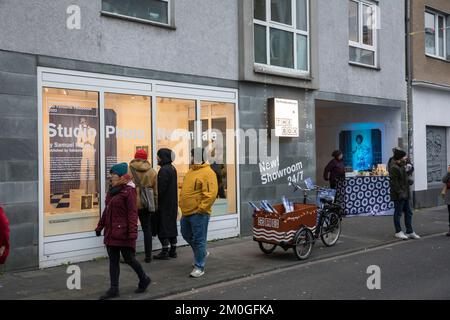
(148, 259)
(163, 255)
(143, 285)
(173, 252)
(112, 292)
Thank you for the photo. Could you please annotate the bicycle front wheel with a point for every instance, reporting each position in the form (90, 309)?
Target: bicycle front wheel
(331, 229)
(267, 248)
(303, 243)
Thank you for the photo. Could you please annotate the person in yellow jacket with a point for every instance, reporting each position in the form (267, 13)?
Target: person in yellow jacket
(198, 193)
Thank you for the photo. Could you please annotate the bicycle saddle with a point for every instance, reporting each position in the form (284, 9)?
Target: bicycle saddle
(327, 200)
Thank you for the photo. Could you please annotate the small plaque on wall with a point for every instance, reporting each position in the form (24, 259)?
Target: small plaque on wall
(284, 117)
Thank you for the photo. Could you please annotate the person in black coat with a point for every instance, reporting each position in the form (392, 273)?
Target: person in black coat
(167, 205)
(335, 169)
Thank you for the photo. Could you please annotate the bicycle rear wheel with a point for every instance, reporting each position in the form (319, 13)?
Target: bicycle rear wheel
(331, 229)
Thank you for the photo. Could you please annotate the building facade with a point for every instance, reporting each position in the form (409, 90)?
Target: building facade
(83, 84)
(429, 56)
(360, 107)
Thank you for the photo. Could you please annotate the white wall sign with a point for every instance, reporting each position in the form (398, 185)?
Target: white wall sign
(285, 117)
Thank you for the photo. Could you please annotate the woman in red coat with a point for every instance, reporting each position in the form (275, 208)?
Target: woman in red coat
(120, 221)
(4, 236)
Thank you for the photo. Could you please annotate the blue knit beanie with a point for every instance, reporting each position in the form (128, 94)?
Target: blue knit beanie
(120, 169)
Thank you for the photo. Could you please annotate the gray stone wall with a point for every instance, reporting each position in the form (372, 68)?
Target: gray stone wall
(335, 72)
(19, 156)
(254, 113)
(203, 43)
(19, 140)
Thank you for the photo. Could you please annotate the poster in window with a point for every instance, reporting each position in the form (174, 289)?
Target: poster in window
(361, 148)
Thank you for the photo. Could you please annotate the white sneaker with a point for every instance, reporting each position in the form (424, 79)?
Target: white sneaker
(197, 272)
(401, 235)
(413, 235)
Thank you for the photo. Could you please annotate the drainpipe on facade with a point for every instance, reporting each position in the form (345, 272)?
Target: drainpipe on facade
(409, 98)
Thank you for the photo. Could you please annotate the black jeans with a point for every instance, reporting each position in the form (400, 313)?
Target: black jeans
(114, 263)
(448, 207)
(165, 242)
(145, 219)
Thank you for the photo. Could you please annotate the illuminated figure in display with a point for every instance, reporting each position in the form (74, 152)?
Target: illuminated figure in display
(362, 155)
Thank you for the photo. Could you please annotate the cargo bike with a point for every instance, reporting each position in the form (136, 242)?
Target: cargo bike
(300, 228)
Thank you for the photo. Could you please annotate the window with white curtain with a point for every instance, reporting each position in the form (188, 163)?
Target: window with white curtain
(362, 17)
(437, 35)
(281, 34)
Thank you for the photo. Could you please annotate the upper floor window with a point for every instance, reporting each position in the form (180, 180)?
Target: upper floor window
(156, 11)
(362, 17)
(281, 34)
(437, 35)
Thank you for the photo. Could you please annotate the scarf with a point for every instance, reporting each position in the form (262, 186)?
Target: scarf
(123, 181)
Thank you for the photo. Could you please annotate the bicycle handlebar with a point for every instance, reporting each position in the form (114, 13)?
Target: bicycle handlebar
(298, 187)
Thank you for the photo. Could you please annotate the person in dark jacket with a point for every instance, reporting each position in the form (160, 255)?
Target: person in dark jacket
(391, 162)
(400, 183)
(4, 237)
(167, 205)
(144, 176)
(335, 169)
(120, 222)
(446, 181)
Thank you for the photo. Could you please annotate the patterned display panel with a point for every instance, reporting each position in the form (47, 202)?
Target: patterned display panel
(365, 196)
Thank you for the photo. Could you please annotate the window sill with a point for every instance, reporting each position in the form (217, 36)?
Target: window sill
(133, 19)
(356, 64)
(437, 58)
(283, 72)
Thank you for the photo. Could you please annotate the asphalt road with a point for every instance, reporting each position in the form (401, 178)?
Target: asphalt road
(413, 269)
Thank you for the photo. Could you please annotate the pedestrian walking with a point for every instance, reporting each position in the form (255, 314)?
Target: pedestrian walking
(198, 193)
(144, 176)
(4, 236)
(335, 169)
(120, 222)
(167, 205)
(400, 182)
(446, 194)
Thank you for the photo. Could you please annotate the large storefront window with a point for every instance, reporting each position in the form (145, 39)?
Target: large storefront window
(72, 148)
(177, 129)
(128, 127)
(175, 120)
(71, 161)
(218, 138)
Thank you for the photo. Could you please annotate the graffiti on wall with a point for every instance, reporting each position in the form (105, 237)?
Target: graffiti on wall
(436, 154)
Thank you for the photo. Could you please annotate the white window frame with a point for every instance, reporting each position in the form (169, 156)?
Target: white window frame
(360, 44)
(268, 24)
(148, 21)
(84, 246)
(436, 35)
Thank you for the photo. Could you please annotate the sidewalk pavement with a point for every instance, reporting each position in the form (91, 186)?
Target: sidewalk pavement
(229, 259)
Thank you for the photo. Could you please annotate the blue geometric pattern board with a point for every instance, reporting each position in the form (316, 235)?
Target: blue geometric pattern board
(365, 196)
